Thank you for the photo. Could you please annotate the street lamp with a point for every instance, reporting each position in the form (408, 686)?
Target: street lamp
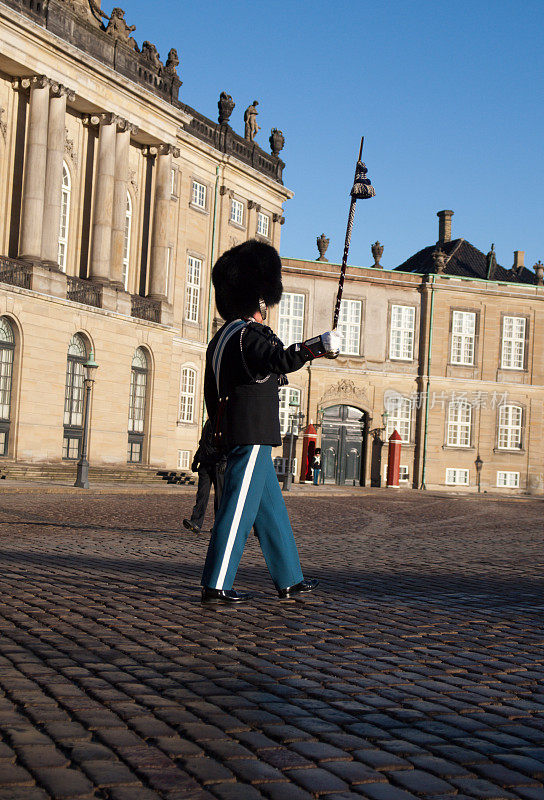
(478, 464)
(82, 477)
(294, 415)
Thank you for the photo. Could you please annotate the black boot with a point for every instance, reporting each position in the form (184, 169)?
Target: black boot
(190, 526)
(299, 588)
(223, 597)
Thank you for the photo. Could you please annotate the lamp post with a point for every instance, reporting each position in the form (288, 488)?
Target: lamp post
(294, 415)
(82, 477)
(478, 464)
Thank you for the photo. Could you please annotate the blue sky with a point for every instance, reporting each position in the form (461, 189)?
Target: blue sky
(449, 97)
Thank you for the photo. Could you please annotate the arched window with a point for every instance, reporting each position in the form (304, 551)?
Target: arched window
(74, 398)
(7, 348)
(510, 427)
(64, 216)
(136, 406)
(126, 247)
(187, 395)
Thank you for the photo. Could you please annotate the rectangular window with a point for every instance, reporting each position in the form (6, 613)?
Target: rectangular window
(192, 290)
(199, 194)
(134, 452)
(173, 181)
(459, 424)
(401, 345)
(184, 459)
(3, 443)
(136, 405)
(73, 396)
(457, 477)
(513, 343)
(237, 212)
(289, 404)
(263, 224)
(508, 479)
(400, 417)
(349, 326)
(187, 395)
(510, 427)
(6, 369)
(291, 318)
(463, 327)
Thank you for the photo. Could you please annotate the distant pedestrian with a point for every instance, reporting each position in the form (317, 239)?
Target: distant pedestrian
(210, 465)
(316, 465)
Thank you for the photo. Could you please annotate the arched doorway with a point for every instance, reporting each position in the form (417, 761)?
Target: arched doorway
(343, 445)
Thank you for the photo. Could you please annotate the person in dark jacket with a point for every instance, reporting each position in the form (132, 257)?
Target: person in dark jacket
(246, 365)
(210, 464)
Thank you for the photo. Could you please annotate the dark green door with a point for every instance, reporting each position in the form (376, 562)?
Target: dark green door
(343, 444)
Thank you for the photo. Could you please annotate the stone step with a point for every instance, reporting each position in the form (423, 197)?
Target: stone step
(117, 474)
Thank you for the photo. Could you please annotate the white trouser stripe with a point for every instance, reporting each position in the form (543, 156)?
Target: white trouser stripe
(237, 514)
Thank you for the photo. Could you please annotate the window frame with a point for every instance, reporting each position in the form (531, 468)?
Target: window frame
(460, 424)
(506, 485)
(237, 205)
(193, 289)
(288, 340)
(360, 303)
(187, 418)
(456, 482)
(264, 215)
(285, 391)
(197, 206)
(8, 348)
(73, 430)
(524, 366)
(509, 428)
(475, 337)
(390, 427)
(402, 359)
(65, 202)
(127, 241)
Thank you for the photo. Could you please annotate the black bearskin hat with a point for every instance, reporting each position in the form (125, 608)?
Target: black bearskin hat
(244, 275)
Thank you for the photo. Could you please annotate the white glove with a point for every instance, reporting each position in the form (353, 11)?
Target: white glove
(331, 343)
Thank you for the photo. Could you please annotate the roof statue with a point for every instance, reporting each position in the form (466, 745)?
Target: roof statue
(250, 119)
(118, 28)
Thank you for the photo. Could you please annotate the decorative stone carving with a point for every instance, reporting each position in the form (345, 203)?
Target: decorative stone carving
(69, 148)
(539, 272)
(251, 204)
(223, 190)
(377, 253)
(118, 28)
(491, 262)
(132, 180)
(440, 260)
(225, 104)
(150, 53)
(3, 123)
(250, 119)
(277, 141)
(322, 245)
(278, 218)
(344, 390)
(89, 10)
(172, 63)
(168, 149)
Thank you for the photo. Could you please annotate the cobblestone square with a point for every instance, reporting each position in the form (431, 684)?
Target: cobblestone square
(415, 670)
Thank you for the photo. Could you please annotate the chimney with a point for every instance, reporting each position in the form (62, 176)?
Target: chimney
(444, 226)
(519, 260)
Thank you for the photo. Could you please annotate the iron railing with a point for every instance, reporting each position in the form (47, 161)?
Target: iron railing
(83, 291)
(145, 308)
(16, 273)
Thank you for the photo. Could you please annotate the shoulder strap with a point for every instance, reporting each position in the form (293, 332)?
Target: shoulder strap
(228, 332)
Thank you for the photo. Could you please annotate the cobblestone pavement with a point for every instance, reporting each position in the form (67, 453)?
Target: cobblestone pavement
(416, 670)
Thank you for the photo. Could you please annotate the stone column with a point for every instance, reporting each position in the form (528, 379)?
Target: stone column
(100, 266)
(30, 242)
(161, 212)
(53, 174)
(122, 146)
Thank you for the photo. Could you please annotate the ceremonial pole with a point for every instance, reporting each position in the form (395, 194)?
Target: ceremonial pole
(362, 189)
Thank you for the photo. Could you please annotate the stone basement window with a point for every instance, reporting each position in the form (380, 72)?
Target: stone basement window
(508, 479)
(457, 477)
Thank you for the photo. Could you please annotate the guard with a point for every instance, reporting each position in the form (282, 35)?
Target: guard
(245, 366)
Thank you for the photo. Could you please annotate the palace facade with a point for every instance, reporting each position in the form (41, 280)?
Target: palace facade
(118, 198)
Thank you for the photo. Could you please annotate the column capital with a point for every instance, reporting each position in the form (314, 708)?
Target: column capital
(150, 150)
(23, 83)
(124, 125)
(168, 150)
(278, 218)
(252, 204)
(91, 120)
(109, 118)
(59, 90)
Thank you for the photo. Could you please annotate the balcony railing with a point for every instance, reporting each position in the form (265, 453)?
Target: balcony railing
(16, 273)
(145, 308)
(82, 291)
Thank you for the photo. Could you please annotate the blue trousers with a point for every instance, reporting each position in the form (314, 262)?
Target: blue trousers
(251, 498)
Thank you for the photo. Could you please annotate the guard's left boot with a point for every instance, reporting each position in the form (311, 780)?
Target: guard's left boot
(298, 588)
(191, 526)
